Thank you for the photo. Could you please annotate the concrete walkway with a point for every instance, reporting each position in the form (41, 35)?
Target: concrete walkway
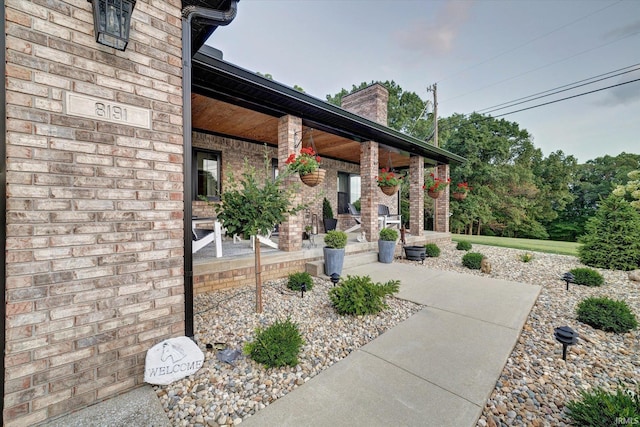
(435, 369)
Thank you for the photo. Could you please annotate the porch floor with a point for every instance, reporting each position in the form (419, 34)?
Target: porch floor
(240, 255)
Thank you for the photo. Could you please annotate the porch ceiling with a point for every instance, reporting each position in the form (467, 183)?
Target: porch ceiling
(219, 117)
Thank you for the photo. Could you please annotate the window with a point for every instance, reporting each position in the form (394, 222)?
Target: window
(206, 174)
(348, 190)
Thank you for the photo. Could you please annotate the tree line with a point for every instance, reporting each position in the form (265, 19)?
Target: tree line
(516, 190)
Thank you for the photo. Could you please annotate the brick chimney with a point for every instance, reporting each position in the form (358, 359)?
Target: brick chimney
(370, 103)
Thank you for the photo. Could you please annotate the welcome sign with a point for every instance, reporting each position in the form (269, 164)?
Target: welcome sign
(171, 360)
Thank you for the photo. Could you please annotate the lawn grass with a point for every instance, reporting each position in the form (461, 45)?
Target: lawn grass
(548, 246)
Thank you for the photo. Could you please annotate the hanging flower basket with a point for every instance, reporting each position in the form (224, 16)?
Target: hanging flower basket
(313, 178)
(461, 190)
(389, 190)
(435, 194)
(459, 196)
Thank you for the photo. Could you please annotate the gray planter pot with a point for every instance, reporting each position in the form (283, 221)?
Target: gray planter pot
(333, 260)
(386, 250)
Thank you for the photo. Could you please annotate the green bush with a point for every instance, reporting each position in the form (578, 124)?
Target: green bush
(587, 276)
(327, 211)
(526, 257)
(612, 238)
(358, 295)
(599, 408)
(472, 260)
(296, 280)
(606, 314)
(463, 245)
(335, 239)
(432, 250)
(277, 345)
(388, 234)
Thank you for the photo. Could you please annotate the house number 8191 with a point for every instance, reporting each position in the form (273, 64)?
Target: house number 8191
(112, 112)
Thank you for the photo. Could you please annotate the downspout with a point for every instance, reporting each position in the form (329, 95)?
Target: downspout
(3, 204)
(218, 18)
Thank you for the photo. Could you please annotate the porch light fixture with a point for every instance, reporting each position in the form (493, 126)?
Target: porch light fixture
(111, 21)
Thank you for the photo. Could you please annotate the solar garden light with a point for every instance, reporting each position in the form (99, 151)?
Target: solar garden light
(303, 288)
(422, 257)
(568, 277)
(335, 278)
(566, 336)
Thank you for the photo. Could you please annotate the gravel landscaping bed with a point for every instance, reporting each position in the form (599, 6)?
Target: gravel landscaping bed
(532, 390)
(536, 383)
(221, 394)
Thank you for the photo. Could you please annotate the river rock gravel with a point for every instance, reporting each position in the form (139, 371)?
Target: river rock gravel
(532, 389)
(536, 383)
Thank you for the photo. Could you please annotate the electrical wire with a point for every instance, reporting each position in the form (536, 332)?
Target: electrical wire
(543, 66)
(528, 42)
(533, 97)
(564, 99)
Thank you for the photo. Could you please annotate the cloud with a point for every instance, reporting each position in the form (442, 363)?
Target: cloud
(623, 32)
(623, 95)
(437, 35)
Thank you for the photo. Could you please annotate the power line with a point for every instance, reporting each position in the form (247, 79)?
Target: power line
(533, 97)
(529, 42)
(564, 99)
(543, 66)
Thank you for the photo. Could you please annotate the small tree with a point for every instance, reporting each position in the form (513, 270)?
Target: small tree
(253, 203)
(612, 238)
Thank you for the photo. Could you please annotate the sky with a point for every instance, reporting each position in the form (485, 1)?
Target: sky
(480, 53)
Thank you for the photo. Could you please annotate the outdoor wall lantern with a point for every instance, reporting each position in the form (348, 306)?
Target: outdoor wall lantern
(568, 277)
(111, 21)
(566, 336)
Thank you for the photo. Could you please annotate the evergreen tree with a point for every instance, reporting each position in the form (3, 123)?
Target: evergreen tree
(613, 236)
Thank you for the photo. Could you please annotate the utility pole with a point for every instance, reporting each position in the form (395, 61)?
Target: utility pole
(434, 88)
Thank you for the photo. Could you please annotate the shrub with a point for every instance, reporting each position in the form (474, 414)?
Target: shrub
(296, 280)
(472, 260)
(587, 277)
(336, 239)
(600, 408)
(277, 345)
(358, 295)
(388, 234)
(432, 250)
(526, 257)
(327, 211)
(606, 314)
(463, 245)
(612, 238)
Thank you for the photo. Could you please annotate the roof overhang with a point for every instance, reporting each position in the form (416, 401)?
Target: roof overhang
(251, 94)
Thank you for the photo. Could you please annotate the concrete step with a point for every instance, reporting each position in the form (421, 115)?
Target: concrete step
(316, 268)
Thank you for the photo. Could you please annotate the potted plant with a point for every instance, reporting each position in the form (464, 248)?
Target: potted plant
(387, 245)
(435, 186)
(460, 191)
(329, 222)
(389, 181)
(307, 165)
(335, 241)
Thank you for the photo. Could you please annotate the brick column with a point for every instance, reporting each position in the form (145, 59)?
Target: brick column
(290, 127)
(416, 195)
(369, 189)
(441, 208)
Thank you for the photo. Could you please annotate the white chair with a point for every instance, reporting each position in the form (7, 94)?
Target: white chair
(389, 219)
(201, 237)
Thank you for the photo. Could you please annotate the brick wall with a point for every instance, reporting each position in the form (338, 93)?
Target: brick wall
(233, 152)
(94, 209)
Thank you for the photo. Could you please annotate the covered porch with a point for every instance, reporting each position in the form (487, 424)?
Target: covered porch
(238, 115)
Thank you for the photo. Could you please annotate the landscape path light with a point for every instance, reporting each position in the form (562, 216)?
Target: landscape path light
(568, 277)
(566, 336)
(335, 278)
